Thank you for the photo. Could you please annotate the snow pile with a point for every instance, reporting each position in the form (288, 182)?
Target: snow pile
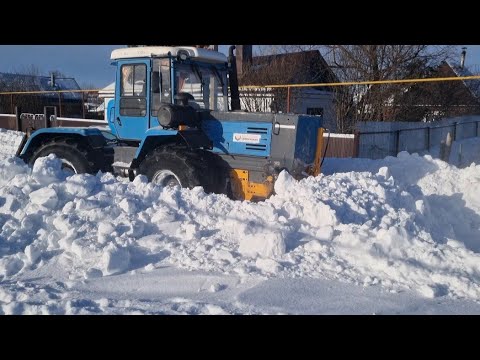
(10, 141)
(414, 222)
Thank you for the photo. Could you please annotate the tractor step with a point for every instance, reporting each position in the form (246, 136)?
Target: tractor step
(121, 168)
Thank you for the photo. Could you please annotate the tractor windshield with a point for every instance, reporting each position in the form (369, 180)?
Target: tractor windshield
(205, 82)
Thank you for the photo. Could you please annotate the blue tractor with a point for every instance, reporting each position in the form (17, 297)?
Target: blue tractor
(171, 120)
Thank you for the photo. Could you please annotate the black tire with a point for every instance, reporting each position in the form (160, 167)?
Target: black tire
(170, 165)
(217, 170)
(73, 155)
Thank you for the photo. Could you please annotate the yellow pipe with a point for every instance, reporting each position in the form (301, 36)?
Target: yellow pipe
(402, 81)
(348, 83)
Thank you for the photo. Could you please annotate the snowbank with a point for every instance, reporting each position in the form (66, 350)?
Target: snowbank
(410, 222)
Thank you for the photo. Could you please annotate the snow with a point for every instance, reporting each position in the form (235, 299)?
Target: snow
(10, 141)
(398, 235)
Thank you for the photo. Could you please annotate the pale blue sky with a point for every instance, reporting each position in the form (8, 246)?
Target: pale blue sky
(90, 64)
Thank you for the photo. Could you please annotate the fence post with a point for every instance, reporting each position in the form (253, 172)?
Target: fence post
(11, 104)
(428, 138)
(18, 124)
(288, 99)
(83, 105)
(60, 103)
(446, 148)
(356, 144)
(455, 131)
(48, 111)
(397, 142)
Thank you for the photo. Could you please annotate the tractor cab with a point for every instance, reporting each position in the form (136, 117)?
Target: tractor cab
(149, 77)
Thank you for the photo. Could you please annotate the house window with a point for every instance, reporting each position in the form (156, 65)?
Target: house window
(133, 100)
(315, 111)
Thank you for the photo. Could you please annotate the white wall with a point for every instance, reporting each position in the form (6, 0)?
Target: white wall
(311, 98)
(301, 100)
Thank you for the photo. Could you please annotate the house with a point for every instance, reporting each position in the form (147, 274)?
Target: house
(289, 68)
(69, 104)
(437, 100)
(107, 94)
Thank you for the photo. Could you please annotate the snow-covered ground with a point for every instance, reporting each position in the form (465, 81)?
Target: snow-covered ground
(398, 235)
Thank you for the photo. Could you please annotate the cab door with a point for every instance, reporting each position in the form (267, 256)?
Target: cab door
(133, 103)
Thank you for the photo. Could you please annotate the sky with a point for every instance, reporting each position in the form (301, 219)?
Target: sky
(90, 64)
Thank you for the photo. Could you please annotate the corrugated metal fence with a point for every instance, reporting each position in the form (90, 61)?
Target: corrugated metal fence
(378, 140)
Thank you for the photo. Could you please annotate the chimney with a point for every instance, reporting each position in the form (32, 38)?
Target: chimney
(462, 58)
(244, 56)
(52, 80)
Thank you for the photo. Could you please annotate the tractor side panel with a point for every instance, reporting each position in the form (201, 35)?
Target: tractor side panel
(239, 137)
(294, 142)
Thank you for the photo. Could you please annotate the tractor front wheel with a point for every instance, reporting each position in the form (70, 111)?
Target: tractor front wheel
(74, 158)
(170, 166)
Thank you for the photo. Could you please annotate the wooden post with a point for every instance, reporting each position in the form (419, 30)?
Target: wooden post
(288, 99)
(60, 103)
(48, 111)
(455, 131)
(18, 123)
(11, 104)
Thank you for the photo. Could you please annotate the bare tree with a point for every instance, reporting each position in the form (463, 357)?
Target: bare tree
(375, 63)
(386, 102)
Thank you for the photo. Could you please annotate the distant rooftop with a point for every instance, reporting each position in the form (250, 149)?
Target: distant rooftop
(472, 85)
(297, 67)
(20, 82)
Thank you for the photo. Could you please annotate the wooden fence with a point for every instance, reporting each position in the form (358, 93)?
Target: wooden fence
(340, 145)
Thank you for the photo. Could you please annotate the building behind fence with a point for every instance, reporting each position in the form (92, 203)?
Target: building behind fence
(40, 92)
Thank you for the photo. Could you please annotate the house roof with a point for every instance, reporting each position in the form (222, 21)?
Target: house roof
(20, 82)
(301, 67)
(108, 91)
(472, 85)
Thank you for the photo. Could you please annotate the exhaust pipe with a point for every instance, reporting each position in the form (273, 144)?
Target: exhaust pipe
(232, 75)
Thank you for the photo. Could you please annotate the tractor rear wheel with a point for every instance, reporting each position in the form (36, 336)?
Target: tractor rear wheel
(73, 156)
(170, 166)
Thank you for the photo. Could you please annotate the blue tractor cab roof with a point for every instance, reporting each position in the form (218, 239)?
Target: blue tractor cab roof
(204, 55)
